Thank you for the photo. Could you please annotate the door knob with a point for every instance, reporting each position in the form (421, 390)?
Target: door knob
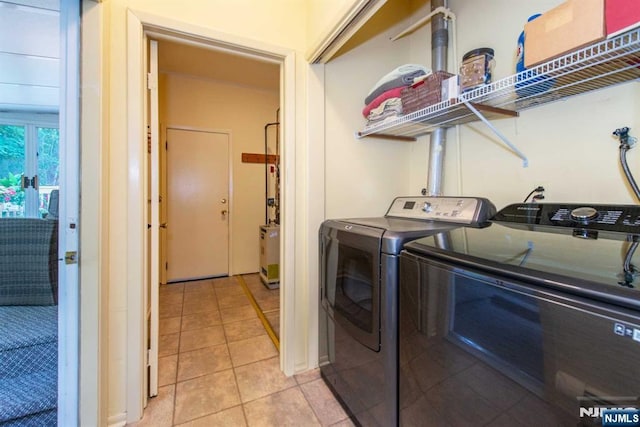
(223, 201)
(163, 225)
(223, 212)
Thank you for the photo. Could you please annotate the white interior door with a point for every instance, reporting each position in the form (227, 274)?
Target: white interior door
(152, 291)
(68, 210)
(163, 207)
(197, 204)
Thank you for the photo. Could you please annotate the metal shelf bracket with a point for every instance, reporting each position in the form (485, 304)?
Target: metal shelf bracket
(603, 64)
(474, 110)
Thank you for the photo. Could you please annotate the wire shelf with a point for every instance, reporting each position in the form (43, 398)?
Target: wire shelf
(603, 64)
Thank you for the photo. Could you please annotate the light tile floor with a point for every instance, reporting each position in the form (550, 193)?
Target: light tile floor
(218, 366)
(267, 299)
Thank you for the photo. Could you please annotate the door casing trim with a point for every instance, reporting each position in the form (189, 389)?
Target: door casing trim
(140, 26)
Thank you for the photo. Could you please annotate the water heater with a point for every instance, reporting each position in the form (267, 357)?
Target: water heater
(270, 255)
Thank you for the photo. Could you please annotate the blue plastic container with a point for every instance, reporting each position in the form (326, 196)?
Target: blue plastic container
(528, 83)
(520, 63)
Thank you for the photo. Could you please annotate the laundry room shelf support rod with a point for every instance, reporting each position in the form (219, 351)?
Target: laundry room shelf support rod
(474, 110)
(422, 21)
(439, 56)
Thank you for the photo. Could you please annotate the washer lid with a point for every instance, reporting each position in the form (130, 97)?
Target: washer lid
(579, 264)
(396, 231)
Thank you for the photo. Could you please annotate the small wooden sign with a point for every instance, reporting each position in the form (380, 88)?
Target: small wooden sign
(259, 158)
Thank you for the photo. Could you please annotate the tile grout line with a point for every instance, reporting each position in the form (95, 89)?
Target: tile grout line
(175, 379)
(175, 386)
(313, 409)
(259, 312)
(233, 367)
(226, 343)
(178, 362)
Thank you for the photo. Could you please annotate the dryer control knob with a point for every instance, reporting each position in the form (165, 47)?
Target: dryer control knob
(584, 214)
(426, 207)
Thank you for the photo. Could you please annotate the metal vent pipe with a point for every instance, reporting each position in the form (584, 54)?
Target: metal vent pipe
(439, 46)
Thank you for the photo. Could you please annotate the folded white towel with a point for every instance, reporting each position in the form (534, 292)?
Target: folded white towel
(385, 108)
(398, 72)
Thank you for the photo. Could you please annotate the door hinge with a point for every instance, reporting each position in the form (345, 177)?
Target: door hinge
(166, 265)
(71, 257)
(151, 81)
(166, 145)
(148, 362)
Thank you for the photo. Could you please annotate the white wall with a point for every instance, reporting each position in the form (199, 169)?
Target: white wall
(569, 144)
(279, 24)
(573, 161)
(94, 321)
(244, 111)
(322, 15)
(364, 175)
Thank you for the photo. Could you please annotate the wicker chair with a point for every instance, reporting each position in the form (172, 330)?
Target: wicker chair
(28, 321)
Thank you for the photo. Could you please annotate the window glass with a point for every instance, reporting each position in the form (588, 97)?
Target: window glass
(27, 151)
(12, 164)
(48, 169)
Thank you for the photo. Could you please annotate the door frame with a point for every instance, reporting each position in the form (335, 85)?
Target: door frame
(152, 292)
(141, 26)
(92, 405)
(163, 191)
(69, 210)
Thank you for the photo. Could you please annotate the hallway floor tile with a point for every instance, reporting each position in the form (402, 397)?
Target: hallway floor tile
(219, 367)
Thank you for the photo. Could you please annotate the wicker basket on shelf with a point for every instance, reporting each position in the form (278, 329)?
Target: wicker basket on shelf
(425, 93)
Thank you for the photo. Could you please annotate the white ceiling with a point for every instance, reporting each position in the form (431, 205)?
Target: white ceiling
(41, 4)
(30, 66)
(29, 55)
(217, 65)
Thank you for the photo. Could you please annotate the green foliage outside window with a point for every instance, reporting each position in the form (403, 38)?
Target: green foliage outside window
(10, 190)
(12, 152)
(13, 155)
(48, 156)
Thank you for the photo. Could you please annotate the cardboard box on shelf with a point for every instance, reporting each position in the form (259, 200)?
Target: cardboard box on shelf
(567, 27)
(621, 15)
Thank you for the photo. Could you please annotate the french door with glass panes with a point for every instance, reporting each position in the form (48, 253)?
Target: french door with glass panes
(29, 166)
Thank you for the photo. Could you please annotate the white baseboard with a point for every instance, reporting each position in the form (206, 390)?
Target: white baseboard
(118, 420)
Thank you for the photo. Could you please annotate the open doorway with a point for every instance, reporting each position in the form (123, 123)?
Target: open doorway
(209, 109)
(225, 100)
(141, 27)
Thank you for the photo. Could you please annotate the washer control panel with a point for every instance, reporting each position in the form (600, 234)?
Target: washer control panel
(463, 210)
(616, 218)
